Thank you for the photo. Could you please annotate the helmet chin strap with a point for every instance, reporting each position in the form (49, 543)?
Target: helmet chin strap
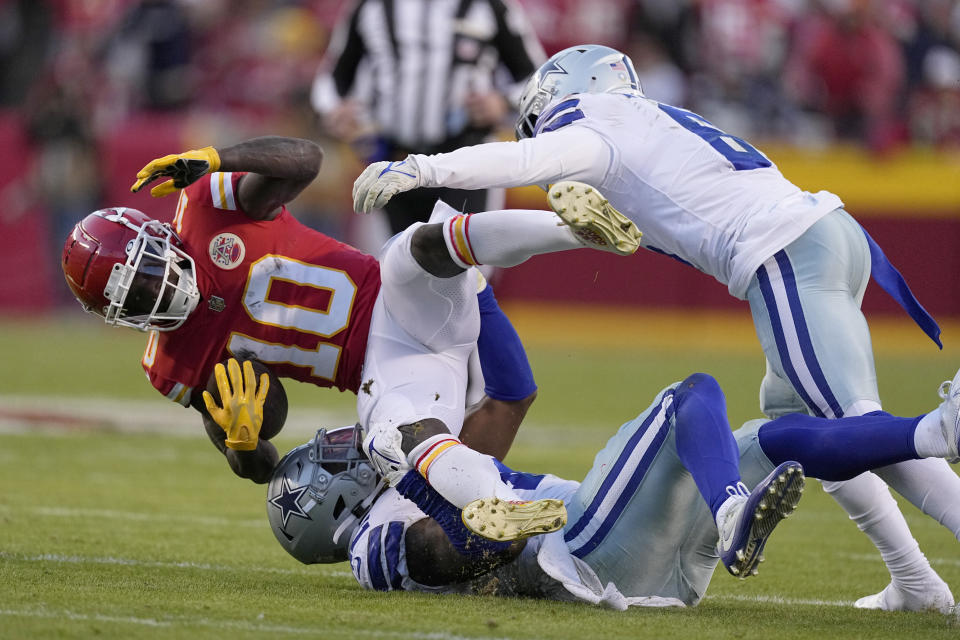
(359, 511)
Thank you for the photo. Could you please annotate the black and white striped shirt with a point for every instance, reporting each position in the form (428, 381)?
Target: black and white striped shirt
(414, 61)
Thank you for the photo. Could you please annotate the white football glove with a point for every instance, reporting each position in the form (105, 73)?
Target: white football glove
(381, 181)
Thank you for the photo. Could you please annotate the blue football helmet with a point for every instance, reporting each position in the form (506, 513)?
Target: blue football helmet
(318, 493)
(586, 68)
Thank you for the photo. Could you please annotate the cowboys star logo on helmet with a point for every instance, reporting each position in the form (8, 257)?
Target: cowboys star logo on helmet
(289, 501)
(551, 66)
(587, 68)
(340, 485)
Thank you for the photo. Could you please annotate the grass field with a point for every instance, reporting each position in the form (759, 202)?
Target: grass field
(119, 520)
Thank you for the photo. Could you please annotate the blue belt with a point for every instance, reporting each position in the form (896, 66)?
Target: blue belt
(891, 281)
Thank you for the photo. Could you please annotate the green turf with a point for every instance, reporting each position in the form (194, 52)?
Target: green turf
(143, 535)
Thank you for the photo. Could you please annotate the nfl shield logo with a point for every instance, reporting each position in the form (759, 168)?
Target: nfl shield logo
(227, 250)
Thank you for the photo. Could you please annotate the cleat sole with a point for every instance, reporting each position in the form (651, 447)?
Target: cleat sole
(780, 498)
(593, 219)
(504, 520)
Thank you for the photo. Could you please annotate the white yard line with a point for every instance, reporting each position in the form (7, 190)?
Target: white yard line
(236, 625)
(30, 413)
(781, 600)
(55, 416)
(195, 566)
(57, 558)
(111, 514)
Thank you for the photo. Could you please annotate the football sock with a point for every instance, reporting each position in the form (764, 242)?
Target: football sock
(506, 371)
(457, 472)
(505, 238)
(705, 443)
(928, 439)
(867, 500)
(931, 485)
(840, 448)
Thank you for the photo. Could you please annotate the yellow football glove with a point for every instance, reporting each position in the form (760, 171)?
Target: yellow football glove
(242, 413)
(185, 169)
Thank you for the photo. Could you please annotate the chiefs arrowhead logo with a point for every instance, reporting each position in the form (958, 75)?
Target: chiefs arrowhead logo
(227, 250)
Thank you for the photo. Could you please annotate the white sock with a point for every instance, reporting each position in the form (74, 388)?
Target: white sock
(867, 500)
(911, 571)
(506, 238)
(928, 438)
(457, 472)
(930, 485)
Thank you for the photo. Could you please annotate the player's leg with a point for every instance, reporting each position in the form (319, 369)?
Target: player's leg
(842, 448)
(936, 437)
(806, 308)
(638, 519)
(638, 507)
(412, 398)
(507, 238)
(707, 449)
(778, 397)
(845, 447)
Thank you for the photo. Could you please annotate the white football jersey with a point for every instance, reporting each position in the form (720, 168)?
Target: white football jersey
(544, 569)
(698, 194)
(378, 550)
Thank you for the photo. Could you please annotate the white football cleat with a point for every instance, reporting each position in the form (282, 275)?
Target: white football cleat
(592, 218)
(748, 523)
(935, 596)
(504, 520)
(950, 416)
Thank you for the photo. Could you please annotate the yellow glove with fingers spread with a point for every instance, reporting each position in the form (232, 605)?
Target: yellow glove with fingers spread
(185, 169)
(242, 413)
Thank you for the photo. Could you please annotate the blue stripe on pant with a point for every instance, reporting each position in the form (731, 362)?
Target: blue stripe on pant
(622, 479)
(659, 538)
(790, 326)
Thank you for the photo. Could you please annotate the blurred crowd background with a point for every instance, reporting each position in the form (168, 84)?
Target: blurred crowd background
(90, 89)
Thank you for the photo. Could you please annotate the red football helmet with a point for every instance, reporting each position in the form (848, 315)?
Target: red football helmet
(130, 270)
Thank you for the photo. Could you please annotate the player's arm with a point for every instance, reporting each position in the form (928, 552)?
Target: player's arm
(278, 169)
(571, 153)
(491, 425)
(432, 560)
(440, 549)
(256, 465)
(330, 94)
(240, 415)
(516, 42)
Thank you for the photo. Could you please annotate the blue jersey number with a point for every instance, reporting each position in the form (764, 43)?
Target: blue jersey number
(738, 151)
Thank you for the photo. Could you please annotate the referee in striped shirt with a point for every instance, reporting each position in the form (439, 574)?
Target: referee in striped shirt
(424, 76)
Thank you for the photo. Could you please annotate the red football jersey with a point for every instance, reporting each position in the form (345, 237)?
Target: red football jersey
(299, 300)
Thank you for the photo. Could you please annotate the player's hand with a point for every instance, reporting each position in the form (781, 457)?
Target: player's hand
(185, 169)
(241, 415)
(381, 181)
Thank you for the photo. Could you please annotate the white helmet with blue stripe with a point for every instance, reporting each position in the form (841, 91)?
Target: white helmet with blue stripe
(586, 68)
